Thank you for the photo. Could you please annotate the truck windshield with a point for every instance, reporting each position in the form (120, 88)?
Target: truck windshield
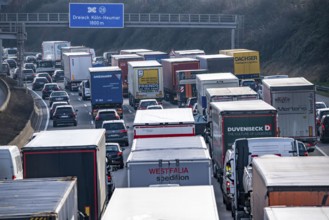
(45, 64)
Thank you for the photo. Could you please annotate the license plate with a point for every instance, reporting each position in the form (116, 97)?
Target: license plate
(59, 99)
(64, 116)
(113, 135)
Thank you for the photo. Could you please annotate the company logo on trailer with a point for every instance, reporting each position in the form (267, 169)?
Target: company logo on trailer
(267, 127)
(282, 99)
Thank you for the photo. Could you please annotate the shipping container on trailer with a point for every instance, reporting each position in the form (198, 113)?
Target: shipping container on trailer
(289, 181)
(174, 202)
(76, 68)
(294, 98)
(300, 213)
(106, 89)
(146, 81)
(170, 66)
(187, 53)
(52, 50)
(217, 63)
(79, 153)
(186, 85)
(133, 51)
(228, 94)
(212, 80)
(233, 120)
(39, 198)
(182, 166)
(121, 61)
(175, 122)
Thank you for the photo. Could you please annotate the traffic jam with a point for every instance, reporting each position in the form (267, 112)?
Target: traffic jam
(143, 134)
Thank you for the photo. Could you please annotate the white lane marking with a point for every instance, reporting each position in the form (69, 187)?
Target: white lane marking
(79, 99)
(72, 94)
(92, 122)
(85, 105)
(321, 151)
(89, 113)
(47, 121)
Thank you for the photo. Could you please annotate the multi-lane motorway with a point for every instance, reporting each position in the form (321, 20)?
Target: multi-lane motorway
(120, 176)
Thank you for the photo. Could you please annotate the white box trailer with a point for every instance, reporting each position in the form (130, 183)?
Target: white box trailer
(294, 99)
(300, 213)
(39, 198)
(148, 144)
(145, 81)
(76, 68)
(184, 167)
(228, 94)
(175, 202)
(52, 50)
(173, 122)
(212, 80)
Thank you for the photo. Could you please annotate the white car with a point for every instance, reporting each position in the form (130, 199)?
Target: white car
(146, 102)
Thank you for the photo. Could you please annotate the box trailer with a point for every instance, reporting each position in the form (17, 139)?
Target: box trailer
(76, 68)
(52, 50)
(289, 181)
(154, 55)
(133, 51)
(143, 144)
(39, 198)
(186, 53)
(79, 153)
(233, 120)
(164, 123)
(145, 81)
(217, 63)
(186, 85)
(228, 94)
(182, 166)
(121, 61)
(170, 66)
(175, 202)
(106, 89)
(294, 98)
(301, 213)
(246, 62)
(212, 80)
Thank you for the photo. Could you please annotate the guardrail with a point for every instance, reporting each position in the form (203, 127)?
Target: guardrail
(322, 88)
(4, 86)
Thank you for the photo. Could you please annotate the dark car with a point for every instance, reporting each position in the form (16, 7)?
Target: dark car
(116, 131)
(39, 82)
(38, 56)
(5, 69)
(114, 155)
(324, 129)
(30, 66)
(48, 88)
(190, 102)
(30, 59)
(64, 114)
(109, 181)
(45, 75)
(53, 107)
(105, 115)
(56, 96)
(319, 113)
(12, 63)
(58, 76)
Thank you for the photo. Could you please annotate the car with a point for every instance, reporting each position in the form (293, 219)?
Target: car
(98, 61)
(58, 76)
(12, 63)
(65, 114)
(318, 116)
(39, 82)
(27, 74)
(48, 88)
(38, 56)
(260, 91)
(146, 102)
(154, 107)
(109, 181)
(30, 66)
(195, 109)
(84, 89)
(5, 69)
(190, 102)
(30, 59)
(105, 114)
(53, 107)
(250, 83)
(116, 131)
(227, 179)
(45, 75)
(56, 96)
(114, 155)
(324, 129)
(319, 105)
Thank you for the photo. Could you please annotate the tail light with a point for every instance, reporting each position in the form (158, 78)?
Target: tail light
(278, 155)
(254, 155)
(97, 118)
(117, 117)
(109, 178)
(123, 131)
(323, 127)
(13, 177)
(119, 153)
(228, 184)
(305, 153)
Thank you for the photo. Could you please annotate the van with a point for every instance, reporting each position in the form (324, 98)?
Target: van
(10, 163)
